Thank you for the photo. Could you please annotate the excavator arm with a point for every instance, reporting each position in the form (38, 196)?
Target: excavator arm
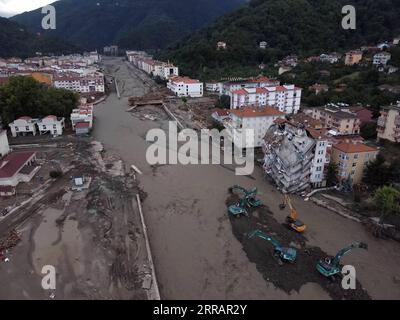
(293, 212)
(262, 235)
(344, 251)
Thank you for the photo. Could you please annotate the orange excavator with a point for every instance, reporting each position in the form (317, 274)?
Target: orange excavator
(292, 220)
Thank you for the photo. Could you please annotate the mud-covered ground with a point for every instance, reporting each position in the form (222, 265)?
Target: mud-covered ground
(288, 276)
(92, 237)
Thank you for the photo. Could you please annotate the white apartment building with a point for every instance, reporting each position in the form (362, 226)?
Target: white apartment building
(186, 87)
(51, 124)
(166, 71)
(248, 126)
(382, 58)
(4, 146)
(285, 98)
(261, 82)
(320, 161)
(214, 86)
(82, 84)
(23, 126)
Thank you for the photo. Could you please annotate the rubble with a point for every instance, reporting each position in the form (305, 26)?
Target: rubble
(288, 157)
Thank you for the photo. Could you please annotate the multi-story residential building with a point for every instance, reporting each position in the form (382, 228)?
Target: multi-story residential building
(51, 124)
(353, 57)
(185, 87)
(259, 82)
(23, 126)
(165, 70)
(285, 98)
(389, 123)
(352, 158)
(382, 58)
(248, 126)
(93, 82)
(214, 86)
(84, 114)
(340, 119)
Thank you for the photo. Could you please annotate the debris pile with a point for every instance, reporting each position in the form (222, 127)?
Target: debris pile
(10, 241)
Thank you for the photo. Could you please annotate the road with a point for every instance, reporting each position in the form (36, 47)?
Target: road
(195, 252)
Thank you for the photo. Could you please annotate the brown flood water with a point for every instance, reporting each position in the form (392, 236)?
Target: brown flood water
(195, 253)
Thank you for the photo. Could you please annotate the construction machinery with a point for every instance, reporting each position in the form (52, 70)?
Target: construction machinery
(247, 201)
(282, 253)
(330, 266)
(292, 220)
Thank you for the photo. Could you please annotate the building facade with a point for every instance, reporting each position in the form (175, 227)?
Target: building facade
(248, 126)
(388, 126)
(51, 124)
(186, 87)
(352, 159)
(23, 126)
(285, 98)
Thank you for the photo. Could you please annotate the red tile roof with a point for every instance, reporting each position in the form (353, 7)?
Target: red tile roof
(249, 112)
(13, 163)
(350, 147)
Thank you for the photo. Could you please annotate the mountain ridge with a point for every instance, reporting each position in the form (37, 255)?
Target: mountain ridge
(141, 24)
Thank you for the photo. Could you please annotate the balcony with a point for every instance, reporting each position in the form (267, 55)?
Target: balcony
(381, 122)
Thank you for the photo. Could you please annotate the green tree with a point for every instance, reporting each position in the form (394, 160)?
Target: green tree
(24, 96)
(224, 102)
(332, 174)
(377, 172)
(387, 201)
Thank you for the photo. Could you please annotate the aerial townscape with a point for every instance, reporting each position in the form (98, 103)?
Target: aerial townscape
(313, 111)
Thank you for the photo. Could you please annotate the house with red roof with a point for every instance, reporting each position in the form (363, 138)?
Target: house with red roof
(15, 168)
(186, 87)
(23, 126)
(51, 124)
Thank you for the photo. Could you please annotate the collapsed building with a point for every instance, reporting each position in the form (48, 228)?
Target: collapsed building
(289, 154)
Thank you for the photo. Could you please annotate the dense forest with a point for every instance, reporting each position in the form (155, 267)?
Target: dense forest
(16, 41)
(140, 24)
(302, 27)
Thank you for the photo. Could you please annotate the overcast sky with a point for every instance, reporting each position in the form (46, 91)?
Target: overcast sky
(9, 8)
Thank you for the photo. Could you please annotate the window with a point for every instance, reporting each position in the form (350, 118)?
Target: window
(356, 156)
(353, 172)
(354, 164)
(27, 128)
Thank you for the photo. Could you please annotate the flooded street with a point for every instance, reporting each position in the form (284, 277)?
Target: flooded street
(195, 252)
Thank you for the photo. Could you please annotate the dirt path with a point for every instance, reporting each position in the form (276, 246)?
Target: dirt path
(196, 253)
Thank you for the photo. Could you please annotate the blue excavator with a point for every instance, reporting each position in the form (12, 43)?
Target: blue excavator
(330, 266)
(282, 253)
(247, 201)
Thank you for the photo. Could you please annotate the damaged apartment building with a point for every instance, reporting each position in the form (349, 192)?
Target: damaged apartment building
(289, 156)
